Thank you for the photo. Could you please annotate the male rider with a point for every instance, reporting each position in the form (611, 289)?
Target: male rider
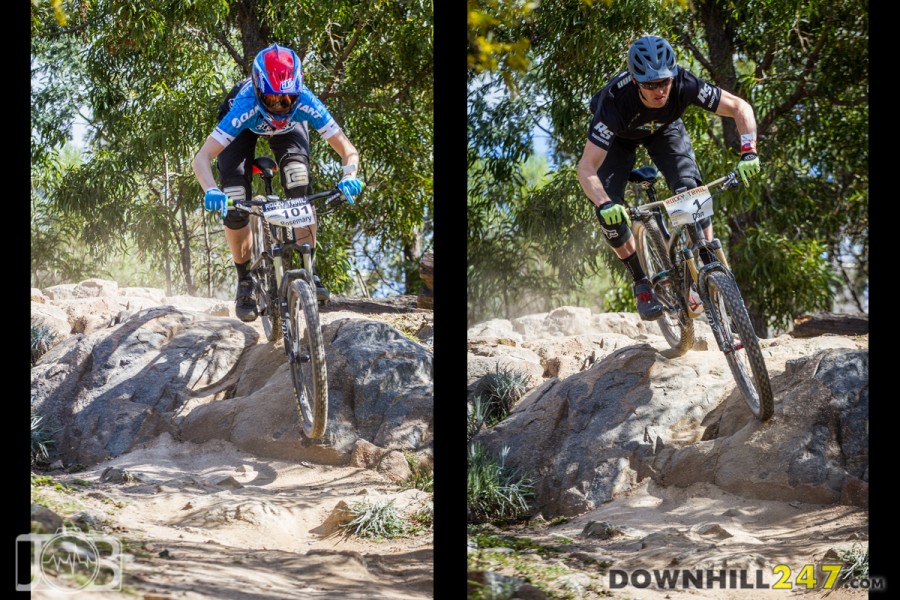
(275, 104)
(643, 106)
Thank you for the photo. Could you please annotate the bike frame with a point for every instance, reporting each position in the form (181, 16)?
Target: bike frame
(695, 238)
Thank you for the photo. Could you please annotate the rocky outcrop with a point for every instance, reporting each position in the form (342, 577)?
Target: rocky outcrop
(126, 369)
(610, 409)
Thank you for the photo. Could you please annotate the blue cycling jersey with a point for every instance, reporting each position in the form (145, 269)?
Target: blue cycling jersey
(244, 114)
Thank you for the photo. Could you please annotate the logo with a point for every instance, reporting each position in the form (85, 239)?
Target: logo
(287, 85)
(705, 91)
(70, 561)
(603, 132)
(238, 121)
(310, 110)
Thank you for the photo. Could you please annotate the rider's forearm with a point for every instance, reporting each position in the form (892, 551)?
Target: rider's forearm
(203, 172)
(591, 185)
(745, 122)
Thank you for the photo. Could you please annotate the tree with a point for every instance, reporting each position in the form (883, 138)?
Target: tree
(152, 75)
(803, 67)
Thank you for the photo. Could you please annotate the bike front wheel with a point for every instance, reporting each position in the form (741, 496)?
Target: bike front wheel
(307, 359)
(653, 253)
(744, 356)
(266, 288)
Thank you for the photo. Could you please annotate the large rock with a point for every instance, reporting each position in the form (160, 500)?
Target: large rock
(199, 377)
(637, 414)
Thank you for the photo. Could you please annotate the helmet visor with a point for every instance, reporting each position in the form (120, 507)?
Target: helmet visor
(279, 104)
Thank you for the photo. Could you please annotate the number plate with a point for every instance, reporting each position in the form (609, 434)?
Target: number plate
(690, 206)
(290, 213)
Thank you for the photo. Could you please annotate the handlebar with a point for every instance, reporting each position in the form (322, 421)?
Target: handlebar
(726, 182)
(335, 198)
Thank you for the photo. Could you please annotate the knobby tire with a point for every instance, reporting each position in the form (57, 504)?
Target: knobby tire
(310, 378)
(266, 289)
(728, 305)
(653, 253)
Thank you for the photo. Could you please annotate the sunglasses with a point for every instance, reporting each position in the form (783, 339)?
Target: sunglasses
(278, 103)
(655, 85)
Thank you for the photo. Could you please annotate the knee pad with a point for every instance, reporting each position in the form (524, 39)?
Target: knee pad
(236, 219)
(616, 235)
(296, 176)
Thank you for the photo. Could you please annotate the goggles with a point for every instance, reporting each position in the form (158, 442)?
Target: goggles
(279, 104)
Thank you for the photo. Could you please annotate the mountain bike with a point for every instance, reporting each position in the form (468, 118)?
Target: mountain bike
(282, 275)
(679, 277)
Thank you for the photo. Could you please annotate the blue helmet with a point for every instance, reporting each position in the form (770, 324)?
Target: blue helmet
(277, 77)
(651, 58)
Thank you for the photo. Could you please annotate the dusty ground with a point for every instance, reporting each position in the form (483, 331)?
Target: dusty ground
(694, 529)
(211, 521)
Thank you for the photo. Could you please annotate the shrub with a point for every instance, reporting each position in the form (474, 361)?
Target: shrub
(495, 492)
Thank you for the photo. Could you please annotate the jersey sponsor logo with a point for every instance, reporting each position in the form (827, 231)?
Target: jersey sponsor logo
(705, 92)
(623, 83)
(310, 110)
(238, 121)
(602, 132)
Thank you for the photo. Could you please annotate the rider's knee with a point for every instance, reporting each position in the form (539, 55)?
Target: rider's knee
(616, 235)
(236, 219)
(295, 171)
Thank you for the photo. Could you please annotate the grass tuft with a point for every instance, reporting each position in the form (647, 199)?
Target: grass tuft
(375, 520)
(42, 339)
(495, 492)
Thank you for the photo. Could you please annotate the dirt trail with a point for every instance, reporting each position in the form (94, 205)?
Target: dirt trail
(693, 529)
(211, 521)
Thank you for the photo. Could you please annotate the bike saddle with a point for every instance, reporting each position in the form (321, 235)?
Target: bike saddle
(265, 165)
(644, 175)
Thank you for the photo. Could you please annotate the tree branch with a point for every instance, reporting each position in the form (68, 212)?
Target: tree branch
(800, 91)
(686, 40)
(339, 65)
(232, 51)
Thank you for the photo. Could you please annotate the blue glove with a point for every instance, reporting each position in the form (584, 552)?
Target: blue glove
(216, 199)
(350, 186)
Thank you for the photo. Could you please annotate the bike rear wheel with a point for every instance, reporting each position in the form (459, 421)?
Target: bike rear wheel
(266, 287)
(653, 253)
(307, 359)
(745, 359)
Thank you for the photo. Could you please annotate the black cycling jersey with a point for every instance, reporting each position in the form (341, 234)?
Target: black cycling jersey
(618, 110)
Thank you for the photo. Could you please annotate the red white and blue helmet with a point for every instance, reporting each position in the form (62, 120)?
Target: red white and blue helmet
(277, 80)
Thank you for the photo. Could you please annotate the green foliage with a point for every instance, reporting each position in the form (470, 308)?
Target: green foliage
(804, 69)
(372, 519)
(620, 298)
(148, 78)
(768, 260)
(42, 338)
(494, 491)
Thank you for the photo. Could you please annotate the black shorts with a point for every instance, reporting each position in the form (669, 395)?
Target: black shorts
(670, 150)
